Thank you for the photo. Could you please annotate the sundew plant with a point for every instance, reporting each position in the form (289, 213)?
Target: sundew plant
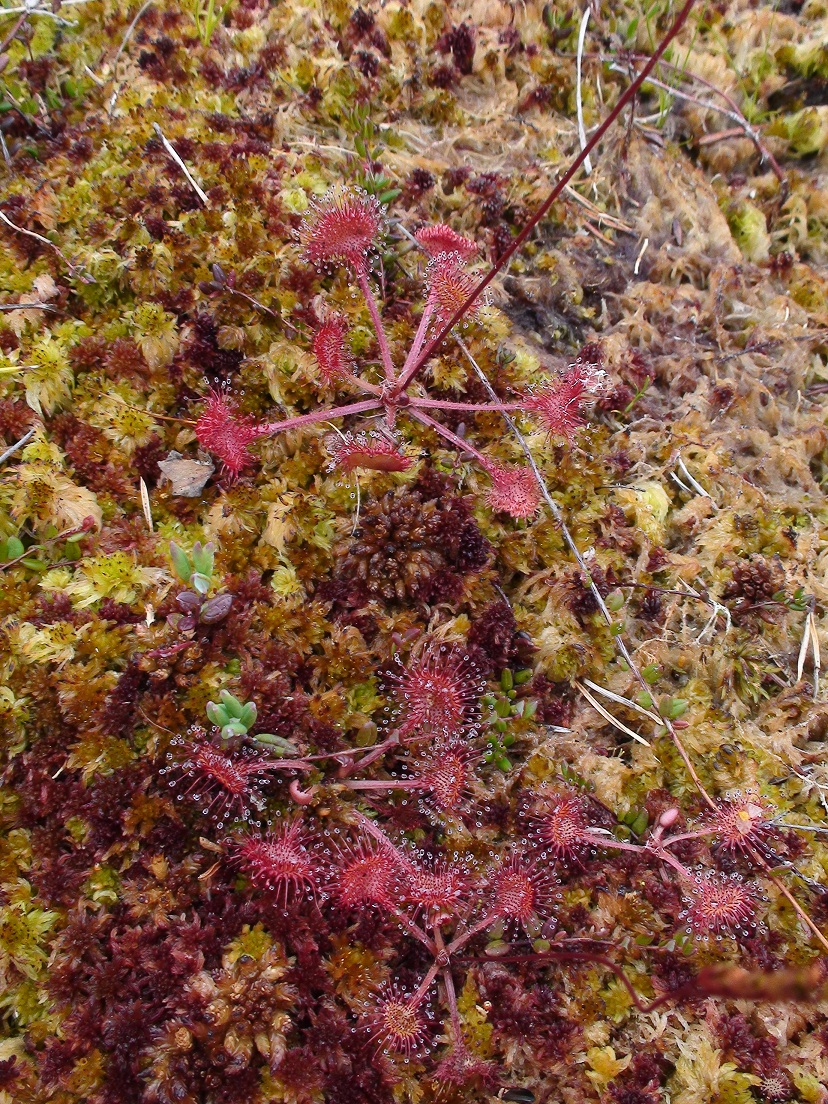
(412, 541)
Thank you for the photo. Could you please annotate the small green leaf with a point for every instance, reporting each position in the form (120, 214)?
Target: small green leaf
(181, 562)
(35, 565)
(640, 823)
(522, 676)
(650, 673)
(217, 714)
(278, 743)
(673, 708)
(203, 558)
(506, 680)
(200, 582)
(231, 703)
(614, 601)
(248, 715)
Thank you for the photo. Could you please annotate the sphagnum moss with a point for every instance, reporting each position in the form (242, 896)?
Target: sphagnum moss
(391, 923)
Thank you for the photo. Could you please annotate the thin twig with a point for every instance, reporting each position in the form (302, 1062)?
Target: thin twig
(19, 444)
(124, 40)
(579, 104)
(28, 306)
(596, 705)
(168, 146)
(648, 713)
(74, 269)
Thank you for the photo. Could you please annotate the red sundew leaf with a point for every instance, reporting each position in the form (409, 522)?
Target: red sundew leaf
(364, 873)
(742, 822)
(219, 431)
(440, 238)
(279, 862)
(449, 286)
(521, 890)
(720, 903)
(559, 826)
(397, 1024)
(514, 491)
(441, 890)
(341, 227)
(332, 355)
(366, 450)
(558, 403)
(437, 693)
(446, 775)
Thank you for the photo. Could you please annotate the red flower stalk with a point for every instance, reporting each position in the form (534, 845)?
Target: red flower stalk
(332, 355)
(440, 238)
(226, 785)
(372, 450)
(341, 227)
(719, 903)
(397, 1024)
(220, 432)
(514, 491)
(561, 827)
(365, 873)
(437, 694)
(558, 404)
(449, 285)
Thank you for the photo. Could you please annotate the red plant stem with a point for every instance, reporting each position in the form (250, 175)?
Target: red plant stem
(319, 416)
(438, 404)
(380, 784)
(374, 753)
(363, 385)
(373, 309)
(625, 98)
(463, 937)
(420, 336)
(452, 437)
(448, 981)
(414, 929)
(425, 984)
